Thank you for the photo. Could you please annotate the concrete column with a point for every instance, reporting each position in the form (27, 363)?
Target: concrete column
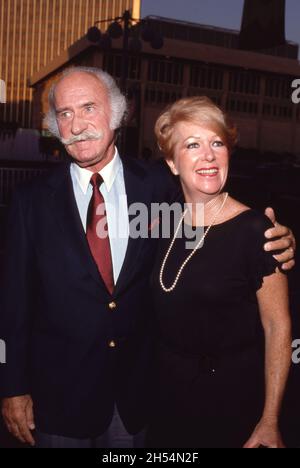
(143, 85)
(260, 115)
(186, 79)
(98, 59)
(225, 89)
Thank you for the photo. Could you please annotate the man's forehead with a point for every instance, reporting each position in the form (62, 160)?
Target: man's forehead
(81, 83)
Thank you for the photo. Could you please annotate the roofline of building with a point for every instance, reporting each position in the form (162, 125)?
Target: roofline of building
(238, 58)
(191, 24)
(194, 52)
(59, 61)
(76, 48)
(201, 26)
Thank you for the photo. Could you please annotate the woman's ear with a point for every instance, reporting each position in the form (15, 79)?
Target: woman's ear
(172, 166)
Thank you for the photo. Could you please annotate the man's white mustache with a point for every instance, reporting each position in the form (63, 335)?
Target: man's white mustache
(84, 136)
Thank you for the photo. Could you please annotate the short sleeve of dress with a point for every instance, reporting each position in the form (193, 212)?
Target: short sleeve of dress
(260, 262)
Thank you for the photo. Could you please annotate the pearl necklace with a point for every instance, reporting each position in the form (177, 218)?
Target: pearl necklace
(171, 288)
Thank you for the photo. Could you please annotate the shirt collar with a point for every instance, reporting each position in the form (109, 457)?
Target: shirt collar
(108, 173)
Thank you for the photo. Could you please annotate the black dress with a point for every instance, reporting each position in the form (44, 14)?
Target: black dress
(210, 354)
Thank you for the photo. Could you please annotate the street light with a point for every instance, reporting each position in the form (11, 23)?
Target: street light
(131, 31)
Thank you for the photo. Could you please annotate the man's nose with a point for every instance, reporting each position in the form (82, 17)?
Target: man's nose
(79, 125)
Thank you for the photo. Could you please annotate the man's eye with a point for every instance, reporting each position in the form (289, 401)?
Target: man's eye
(192, 145)
(65, 115)
(90, 109)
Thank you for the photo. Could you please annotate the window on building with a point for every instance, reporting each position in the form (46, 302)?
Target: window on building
(113, 65)
(205, 76)
(161, 96)
(215, 97)
(165, 71)
(242, 106)
(244, 82)
(279, 88)
(276, 111)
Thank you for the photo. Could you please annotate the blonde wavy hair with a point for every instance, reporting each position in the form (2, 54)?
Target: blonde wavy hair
(197, 110)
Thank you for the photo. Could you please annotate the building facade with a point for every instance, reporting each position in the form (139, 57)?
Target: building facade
(254, 88)
(33, 33)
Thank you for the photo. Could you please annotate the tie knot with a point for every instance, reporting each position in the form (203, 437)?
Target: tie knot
(96, 180)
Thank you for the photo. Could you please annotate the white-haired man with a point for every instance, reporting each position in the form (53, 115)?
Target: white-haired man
(76, 315)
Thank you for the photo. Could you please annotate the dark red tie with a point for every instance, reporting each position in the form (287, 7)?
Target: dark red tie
(98, 237)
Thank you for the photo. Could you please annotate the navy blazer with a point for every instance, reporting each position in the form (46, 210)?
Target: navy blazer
(57, 317)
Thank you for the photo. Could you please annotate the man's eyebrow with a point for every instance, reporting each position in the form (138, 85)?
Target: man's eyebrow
(86, 104)
(61, 109)
(82, 106)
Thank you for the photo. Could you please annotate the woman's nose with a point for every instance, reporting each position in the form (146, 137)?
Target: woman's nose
(209, 153)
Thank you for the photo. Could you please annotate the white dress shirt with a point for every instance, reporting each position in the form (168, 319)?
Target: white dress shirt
(114, 194)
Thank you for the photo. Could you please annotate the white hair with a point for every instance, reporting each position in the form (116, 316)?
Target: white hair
(117, 100)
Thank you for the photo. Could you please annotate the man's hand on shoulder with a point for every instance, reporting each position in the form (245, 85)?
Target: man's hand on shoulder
(285, 241)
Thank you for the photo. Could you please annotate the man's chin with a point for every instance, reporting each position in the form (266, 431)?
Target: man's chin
(87, 161)
(87, 157)
(83, 158)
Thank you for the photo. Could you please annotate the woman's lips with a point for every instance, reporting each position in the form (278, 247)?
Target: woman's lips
(205, 172)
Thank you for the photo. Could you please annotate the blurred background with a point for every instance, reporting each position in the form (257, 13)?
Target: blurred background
(243, 54)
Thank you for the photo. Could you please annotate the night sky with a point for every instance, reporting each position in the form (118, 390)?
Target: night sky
(223, 13)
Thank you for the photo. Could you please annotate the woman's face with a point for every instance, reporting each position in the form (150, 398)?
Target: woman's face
(200, 158)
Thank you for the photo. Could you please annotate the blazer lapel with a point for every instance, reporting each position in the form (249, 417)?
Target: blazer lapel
(67, 214)
(136, 192)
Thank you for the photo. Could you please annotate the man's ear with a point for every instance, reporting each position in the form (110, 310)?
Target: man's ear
(172, 166)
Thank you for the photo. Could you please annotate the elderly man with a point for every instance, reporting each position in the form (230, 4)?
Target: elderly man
(76, 315)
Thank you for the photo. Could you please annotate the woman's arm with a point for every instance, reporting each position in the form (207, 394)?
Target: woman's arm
(274, 310)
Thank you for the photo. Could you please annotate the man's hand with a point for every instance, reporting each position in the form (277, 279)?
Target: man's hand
(286, 243)
(18, 416)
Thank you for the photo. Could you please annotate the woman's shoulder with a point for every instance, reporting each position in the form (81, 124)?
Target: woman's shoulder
(256, 221)
(251, 220)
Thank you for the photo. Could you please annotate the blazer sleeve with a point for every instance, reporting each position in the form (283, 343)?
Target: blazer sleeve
(15, 303)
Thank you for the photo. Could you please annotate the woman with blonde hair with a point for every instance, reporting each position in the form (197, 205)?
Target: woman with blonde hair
(224, 330)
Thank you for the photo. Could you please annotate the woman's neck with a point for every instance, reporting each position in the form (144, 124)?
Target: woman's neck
(203, 209)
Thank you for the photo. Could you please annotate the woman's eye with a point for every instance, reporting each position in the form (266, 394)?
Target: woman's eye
(218, 143)
(193, 145)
